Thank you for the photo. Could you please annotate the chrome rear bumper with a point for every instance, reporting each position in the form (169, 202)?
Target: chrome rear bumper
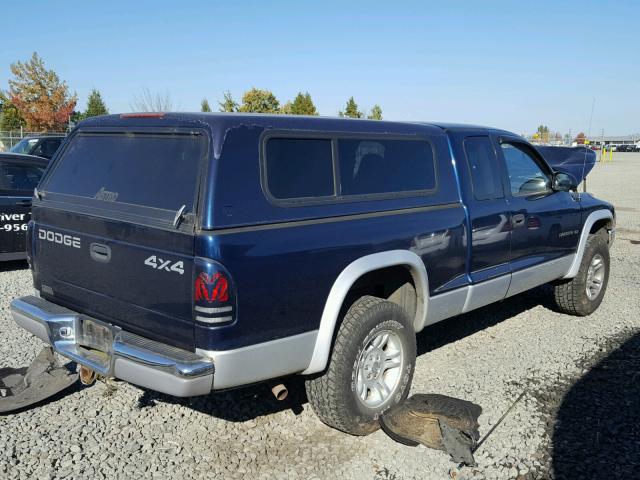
(113, 352)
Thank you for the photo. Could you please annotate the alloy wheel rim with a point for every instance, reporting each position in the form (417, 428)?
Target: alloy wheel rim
(595, 276)
(379, 369)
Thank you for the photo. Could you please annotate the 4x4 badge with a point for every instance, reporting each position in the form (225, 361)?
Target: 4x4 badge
(160, 264)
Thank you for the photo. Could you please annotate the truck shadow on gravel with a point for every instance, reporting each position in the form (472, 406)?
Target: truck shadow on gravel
(248, 403)
(456, 328)
(13, 265)
(237, 405)
(596, 429)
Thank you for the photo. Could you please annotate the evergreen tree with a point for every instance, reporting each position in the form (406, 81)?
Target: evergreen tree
(286, 109)
(204, 105)
(228, 104)
(303, 105)
(543, 133)
(95, 105)
(376, 113)
(351, 110)
(259, 101)
(76, 117)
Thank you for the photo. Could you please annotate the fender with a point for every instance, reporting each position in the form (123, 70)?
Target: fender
(591, 220)
(344, 282)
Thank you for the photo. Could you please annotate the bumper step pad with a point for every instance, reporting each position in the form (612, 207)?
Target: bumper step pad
(26, 386)
(436, 421)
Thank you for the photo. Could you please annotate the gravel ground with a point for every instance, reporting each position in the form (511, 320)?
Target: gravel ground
(572, 406)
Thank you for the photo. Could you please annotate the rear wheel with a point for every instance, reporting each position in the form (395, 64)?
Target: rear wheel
(370, 368)
(583, 294)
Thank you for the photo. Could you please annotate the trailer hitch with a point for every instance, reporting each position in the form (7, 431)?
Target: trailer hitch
(26, 386)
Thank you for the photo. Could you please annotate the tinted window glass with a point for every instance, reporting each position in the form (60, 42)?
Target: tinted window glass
(47, 147)
(158, 171)
(299, 168)
(384, 166)
(19, 176)
(25, 145)
(525, 175)
(483, 168)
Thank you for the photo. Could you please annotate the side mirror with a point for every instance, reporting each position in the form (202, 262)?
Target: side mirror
(563, 182)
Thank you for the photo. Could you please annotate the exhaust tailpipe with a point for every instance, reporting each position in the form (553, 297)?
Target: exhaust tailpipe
(280, 392)
(87, 376)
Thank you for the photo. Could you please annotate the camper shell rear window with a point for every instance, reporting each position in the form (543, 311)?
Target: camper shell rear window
(156, 170)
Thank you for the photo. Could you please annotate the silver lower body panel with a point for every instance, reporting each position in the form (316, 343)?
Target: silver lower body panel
(155, 365)
(262, 361)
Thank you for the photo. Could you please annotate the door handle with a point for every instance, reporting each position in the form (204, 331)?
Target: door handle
(100, 253)
(517, 219)
(24, 203)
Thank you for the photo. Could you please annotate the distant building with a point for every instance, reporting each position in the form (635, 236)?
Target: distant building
(598, 140)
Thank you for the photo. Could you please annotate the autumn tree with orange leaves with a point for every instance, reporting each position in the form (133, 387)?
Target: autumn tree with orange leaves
(42, 100)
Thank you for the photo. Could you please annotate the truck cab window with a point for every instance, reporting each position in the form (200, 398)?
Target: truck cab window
(526, 177)
(483, 168)
(385, 166)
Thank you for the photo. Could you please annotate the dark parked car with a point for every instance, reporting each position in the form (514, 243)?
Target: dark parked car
(44, 146)
(19, 175)
(195, 252)
(627, 148)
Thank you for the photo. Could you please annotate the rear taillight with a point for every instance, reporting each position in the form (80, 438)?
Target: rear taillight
(214, 299)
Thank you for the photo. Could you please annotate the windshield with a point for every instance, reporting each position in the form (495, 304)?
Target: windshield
(151, 170)
(24, 146)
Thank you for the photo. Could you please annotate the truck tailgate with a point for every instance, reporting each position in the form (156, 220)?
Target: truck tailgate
(117, 272)
(113, 233)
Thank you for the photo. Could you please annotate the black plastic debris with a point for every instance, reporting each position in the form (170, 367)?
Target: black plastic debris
(436, 421)
(22, 387)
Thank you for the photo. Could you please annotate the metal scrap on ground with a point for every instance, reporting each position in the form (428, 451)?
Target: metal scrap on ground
(22, 387)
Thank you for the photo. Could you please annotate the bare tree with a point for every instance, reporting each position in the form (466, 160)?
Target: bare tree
(149, 102)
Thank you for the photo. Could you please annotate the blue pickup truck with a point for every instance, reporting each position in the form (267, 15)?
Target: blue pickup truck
(187, 253)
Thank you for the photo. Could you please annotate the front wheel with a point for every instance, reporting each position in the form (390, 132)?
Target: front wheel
(582, 295)
(370, 368)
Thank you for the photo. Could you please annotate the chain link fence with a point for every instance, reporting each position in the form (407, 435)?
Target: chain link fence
(9, 138)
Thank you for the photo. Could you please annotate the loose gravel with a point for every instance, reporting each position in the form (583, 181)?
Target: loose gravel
(581, 395)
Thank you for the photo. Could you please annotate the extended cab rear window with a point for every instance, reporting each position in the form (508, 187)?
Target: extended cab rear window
(149, 170)
(372, 166)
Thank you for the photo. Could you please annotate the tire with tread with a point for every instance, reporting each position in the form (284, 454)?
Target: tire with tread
(570, 295)
(332, 394)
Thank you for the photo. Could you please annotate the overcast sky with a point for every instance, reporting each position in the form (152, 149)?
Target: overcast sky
(510, 64)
